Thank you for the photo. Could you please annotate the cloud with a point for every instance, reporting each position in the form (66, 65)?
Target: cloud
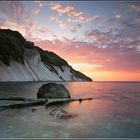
(70, 11)
(55, 6)
(36, 11)
(134, 8)
(113, 50)
(53, 18)
(96, 18)
(39, 5)
(96, 35)
(65, 10)
(110, 58)
(43, 30)
(128, 30)
(14, 16)
(117, 16)
(13, 10)
(75, 28)
(73, 15)
(62, 24)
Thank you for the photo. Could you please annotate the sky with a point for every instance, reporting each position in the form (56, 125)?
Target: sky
(100, 39)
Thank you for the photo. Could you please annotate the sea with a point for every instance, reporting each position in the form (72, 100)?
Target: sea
(114, 112)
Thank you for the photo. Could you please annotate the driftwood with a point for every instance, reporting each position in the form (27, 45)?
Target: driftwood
(27, 102)
(64, 100)
(16, 99)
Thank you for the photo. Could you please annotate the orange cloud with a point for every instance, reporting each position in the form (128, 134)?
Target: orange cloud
(64, 10)
(55, 6)
(62, 24)
(73, 15)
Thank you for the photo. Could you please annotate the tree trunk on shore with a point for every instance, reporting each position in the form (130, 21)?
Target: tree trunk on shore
(27, 102)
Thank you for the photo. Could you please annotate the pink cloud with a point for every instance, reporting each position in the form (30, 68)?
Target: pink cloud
(12, 10)
(134, 8)
(73, 15)
(43, 30)
(109, 58)
(65, 10)
(106, 51)
(15, 17)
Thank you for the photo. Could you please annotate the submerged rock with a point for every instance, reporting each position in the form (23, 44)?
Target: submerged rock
(61, 114)
(53, 90)
(33, 109)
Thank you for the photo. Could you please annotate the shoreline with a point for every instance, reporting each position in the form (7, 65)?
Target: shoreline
(70, 81)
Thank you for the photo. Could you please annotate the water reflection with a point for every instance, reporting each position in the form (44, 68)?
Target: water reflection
(114, 112)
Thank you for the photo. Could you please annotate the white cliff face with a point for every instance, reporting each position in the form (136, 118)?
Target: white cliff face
(65, 73)
(34, 70)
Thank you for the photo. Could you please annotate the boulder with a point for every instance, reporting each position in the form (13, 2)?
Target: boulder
(53, 90)
(61, 114)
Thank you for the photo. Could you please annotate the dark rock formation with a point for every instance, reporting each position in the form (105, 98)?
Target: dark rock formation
(53, 90)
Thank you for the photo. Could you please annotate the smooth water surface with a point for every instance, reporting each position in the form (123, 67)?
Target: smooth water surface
(114, 112)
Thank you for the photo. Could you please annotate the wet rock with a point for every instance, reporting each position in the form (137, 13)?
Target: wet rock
(53, 90)
(61, 114)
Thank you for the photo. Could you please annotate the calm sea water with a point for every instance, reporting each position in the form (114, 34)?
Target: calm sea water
(114, 112)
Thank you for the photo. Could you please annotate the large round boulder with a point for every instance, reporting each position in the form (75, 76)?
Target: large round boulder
(53, 90)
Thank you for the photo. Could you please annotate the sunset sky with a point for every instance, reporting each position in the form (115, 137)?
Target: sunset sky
(100, 39)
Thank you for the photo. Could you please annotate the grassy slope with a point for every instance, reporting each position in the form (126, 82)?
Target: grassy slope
(11, 46)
